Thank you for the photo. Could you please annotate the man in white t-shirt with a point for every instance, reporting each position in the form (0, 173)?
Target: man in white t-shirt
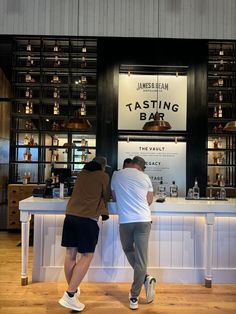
(132, 190)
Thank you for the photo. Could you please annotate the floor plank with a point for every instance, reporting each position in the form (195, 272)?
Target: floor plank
(101, 298)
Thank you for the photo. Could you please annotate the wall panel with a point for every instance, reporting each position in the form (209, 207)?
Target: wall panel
(202, 19)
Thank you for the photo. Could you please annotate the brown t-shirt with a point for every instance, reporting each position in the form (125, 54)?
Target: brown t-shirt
(90, 195)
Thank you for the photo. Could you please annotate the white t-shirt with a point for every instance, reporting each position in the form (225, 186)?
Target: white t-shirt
(131, 187)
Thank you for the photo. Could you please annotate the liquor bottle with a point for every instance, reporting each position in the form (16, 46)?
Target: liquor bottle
(27, 107)
(31, 140)
(173, 189)
(28, 47)
(83, 80)
(221, 51)
(220, 96)
(28, 77)
(56, 93)
(220, 82)
(83, 142)
(56, 48)
(27, 155)
(29, 61)
(28, 93)
(84, 48)
(222, 193)
(215, 114)
(83, 62)
(55, 140)
(83, 109)
(26, 139)
(162, 188)
(30, 108)
(220, 112)
(56, 110)
(196, 190)
(57, 62)
(221, 67)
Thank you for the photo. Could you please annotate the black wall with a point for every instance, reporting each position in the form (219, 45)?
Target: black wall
(112, 52)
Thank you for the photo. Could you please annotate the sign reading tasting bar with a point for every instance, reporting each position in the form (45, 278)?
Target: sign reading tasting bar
(140, 96)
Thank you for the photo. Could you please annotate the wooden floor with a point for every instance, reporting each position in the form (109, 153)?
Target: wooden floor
(101, 298)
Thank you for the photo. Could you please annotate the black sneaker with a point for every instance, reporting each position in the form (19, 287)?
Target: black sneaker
(149, 285)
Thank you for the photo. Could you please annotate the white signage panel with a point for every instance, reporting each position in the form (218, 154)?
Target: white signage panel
(140, 96)
(165, 161)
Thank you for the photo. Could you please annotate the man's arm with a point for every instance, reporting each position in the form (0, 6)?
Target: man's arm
(149, 197)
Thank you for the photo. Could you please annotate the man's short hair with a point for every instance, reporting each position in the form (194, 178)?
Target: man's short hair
(139, 161)
(127, 161)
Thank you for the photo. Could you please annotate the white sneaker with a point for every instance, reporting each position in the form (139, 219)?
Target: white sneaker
(133, 302)
(71, 303)
(149, 285)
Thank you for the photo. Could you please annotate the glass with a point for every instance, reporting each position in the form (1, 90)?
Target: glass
(190, 193)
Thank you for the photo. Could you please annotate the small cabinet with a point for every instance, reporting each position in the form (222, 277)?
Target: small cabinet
(16, 193)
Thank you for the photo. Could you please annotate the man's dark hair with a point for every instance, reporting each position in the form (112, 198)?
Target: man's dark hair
(127, 161)
(92, 166)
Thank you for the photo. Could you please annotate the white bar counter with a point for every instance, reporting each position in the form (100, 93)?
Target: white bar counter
(190, 241)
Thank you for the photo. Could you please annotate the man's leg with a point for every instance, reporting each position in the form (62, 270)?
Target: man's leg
(127, 241)
(141, 238)
(76, 273)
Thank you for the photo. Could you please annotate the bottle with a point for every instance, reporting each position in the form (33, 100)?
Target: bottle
(162, 188)
(173, 189)
(222, 193)
(196, 190)
(27, 108)
(220, 96)
(220, 113)
(215, 112)
(55, 141)
(26, 139)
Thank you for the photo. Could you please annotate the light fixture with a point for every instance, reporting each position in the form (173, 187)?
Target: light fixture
(230, 126)
(157, 124)
(78, 122)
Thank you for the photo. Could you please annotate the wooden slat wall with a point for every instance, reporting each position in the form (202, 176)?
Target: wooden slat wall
(202, 19)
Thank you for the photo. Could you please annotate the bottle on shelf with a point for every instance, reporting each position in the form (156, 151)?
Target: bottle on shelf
(220, 96)
(28, 125)
(56, 109)
(28, 47)
(29, 61)
(215, 113)
(27, 107)
(31, 140)
(55, 140)
(220, 82)
(162, 188)
(220, 112)
(26, 139)
(57, 62)
(30, 108)
(56, 93)
(28, 77)
(173, 189)
(28, 93)
(196, 190)
(222, 193)
(221, 51)
(27, 155)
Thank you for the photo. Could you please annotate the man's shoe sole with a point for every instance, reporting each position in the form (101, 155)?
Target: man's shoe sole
(67, 305)
(152, 285)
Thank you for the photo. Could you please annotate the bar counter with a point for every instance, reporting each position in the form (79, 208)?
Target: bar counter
(191, 241)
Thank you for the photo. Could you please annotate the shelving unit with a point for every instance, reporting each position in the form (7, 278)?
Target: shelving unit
(52, 79)
(221, 109)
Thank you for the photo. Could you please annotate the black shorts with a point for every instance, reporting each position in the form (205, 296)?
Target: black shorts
(80, 232)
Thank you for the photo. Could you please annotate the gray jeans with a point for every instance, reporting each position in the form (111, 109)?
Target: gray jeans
(134, 239)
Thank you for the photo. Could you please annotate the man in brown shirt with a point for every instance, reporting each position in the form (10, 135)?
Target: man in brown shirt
(80, 230)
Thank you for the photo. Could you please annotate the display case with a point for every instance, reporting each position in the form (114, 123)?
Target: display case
(221, 109)
(53, 78)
